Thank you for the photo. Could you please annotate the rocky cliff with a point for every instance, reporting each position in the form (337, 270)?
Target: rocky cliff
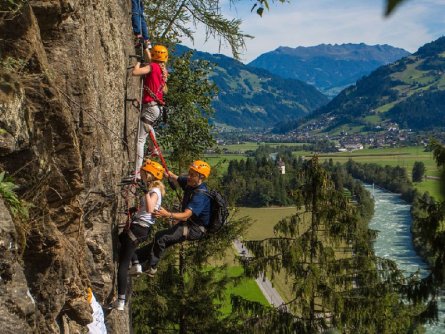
(63, 139)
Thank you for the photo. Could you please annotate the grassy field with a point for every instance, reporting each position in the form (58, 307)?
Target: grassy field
(247, 289)
(264, 219)
(250, 146)
(403, 157)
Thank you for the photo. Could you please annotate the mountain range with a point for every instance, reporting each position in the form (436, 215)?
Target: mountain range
(330, 68)
(409, 93)
(253, 97)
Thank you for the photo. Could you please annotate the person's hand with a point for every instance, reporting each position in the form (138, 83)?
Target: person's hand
(161, 212)
(147, 44)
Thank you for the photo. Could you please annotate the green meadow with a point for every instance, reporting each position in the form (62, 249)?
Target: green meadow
(262, 227)
(403, 157)
(251, 146)
(264, 219)
(246, 288)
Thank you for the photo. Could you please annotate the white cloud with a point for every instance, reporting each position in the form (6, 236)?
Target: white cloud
(312, 22)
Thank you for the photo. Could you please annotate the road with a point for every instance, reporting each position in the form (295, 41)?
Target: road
(272, 295)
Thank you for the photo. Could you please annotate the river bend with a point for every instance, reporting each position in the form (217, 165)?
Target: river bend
(392, 219)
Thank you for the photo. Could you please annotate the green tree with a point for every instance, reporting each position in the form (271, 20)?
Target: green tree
(418, 171)
(169, 21)
(189, 99)
(358, 294)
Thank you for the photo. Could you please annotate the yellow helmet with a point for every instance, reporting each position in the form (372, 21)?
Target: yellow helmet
(159, 53)
(201, 167)
(154, 168)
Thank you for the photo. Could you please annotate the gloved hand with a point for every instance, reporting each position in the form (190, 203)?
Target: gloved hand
(142, 186)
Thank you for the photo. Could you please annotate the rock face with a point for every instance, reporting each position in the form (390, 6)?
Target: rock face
(63, 137)
(17, 307)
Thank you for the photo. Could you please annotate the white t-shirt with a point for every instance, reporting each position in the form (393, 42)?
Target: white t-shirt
(144, 218)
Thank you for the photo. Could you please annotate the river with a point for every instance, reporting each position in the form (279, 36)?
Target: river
(392, 218)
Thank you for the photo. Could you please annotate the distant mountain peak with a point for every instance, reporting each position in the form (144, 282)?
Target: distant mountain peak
(330, 67)
(409, 92)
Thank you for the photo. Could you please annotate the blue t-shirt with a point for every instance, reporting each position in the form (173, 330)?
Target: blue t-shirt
(196, 201)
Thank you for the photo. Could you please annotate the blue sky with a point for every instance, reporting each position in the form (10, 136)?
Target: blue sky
(313, 22)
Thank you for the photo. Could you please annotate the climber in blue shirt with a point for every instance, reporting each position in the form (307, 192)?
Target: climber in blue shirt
(190, 224)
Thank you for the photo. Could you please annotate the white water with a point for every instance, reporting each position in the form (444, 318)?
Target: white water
(392, 218)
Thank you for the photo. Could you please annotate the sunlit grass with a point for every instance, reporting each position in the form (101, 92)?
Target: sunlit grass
(404, 157)
(247, 288)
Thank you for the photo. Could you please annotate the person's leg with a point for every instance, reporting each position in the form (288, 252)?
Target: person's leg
(141, 233)
(136, 17)
(152, 135)
(127, 250)
(143, 134)
(144, 28)
(125, 253)
(135, 259)
(164, 239)
(194, 232)
(150, 115)
(143, 253)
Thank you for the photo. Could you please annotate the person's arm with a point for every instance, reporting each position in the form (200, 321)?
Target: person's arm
(150, 201)
(147, 55)
(182, 216)
(172, 176)
(138, 70)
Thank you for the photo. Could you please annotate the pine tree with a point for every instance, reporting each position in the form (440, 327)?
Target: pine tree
(358, 293)
(418, 171)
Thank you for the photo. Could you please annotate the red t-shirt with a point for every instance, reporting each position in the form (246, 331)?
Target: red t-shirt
(155, 83)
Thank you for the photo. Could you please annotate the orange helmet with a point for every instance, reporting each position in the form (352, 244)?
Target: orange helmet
(154, 168)
(201, 167)
(159, 53)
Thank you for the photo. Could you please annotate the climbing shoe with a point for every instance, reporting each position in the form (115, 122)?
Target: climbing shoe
(135, 270)
(138, 41)
(118, 304)
(151, 271)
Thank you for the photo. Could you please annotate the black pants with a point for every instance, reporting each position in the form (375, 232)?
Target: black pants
(166, 238)
(127, 253)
